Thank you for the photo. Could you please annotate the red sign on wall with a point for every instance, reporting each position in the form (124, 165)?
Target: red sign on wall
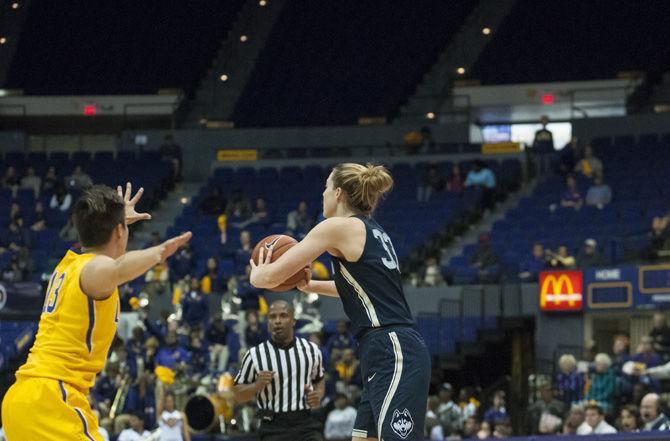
(561, 291)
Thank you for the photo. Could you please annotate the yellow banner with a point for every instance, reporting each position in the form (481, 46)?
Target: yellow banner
(501, 147)
(237, 155)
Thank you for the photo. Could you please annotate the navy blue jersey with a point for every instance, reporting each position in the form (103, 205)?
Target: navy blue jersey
(371, 288)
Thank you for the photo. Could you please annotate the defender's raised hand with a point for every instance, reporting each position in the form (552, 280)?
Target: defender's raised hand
(132, 216)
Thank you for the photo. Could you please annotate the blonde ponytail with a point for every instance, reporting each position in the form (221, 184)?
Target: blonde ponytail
(364, 185)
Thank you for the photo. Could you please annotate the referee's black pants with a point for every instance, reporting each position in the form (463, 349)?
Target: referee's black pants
(292, 426)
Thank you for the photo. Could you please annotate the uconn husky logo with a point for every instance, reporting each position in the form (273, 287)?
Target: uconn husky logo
(402, 423)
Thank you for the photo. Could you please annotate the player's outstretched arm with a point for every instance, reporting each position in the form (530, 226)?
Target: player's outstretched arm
(333, 235)
(102, 274)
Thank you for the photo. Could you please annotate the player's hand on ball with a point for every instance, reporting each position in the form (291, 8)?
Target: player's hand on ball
(313, 397)
(264, 378)
(303, 285)
(132, 216)
(258, 271)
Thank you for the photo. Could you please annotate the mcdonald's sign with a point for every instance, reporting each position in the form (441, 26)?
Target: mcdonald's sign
(561, 291)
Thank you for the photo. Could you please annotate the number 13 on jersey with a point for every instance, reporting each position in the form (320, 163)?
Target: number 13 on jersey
(52, 292)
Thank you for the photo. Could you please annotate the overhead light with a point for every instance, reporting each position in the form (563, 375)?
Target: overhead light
(4, 92)
(486, 31)
(460, 70)
(262, 3)
(224, 77)
(184, 200)
(3, 40)
(430, 115)
(243, 38)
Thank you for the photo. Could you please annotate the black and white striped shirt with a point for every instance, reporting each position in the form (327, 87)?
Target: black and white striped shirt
(295, 366)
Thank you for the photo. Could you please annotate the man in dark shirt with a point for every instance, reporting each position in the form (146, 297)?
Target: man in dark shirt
(534, 264)
(182, 263)
(255, 333)
(544, 139)
(660, 334)
(195, 306)
(217, 338)
(485, 260)
(589, 256)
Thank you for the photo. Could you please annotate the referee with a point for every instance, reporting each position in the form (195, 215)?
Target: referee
(285, 375)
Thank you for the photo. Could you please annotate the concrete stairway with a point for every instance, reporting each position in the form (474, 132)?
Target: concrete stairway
(215, 99)
(434, 92)
(163, 217)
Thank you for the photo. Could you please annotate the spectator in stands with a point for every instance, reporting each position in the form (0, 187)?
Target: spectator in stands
(136, 431)
(620, 356)
(198, 355)
(569, 382)
(659, 238)
(590, 165)
(470, 427)
(254, 334)
(428, 144)
(432, 182)
(468, 402)
(595, 423)
(483, 178)
(561, 259)
(448, 411)
(544, 139)
(50, 181)
(259, 215)
(170, 152)
(214, 203)
(79, 179)
(31, 181)
(182, 263)
(157, 279)
(17, 239)
(485, 260)
(130, 316)
(10, 180)
(211, 282)
(106, 385)
(249, 294)
(547, 404)
(502, 428)
(216, 335)
(347, 369)
(456, 184)
(432, 427)
(299, 221)
(238, 208)
(61, 199)
(589, 256)
(569, 157)
(39, 220)
(340, 341)
(603, 383)
(141, 398)
(195, 306)
(340, 420)
(243, 253)
(12, 272)
(629, 419)
(534, 264)
(660, 334)
(574, 419)
(571, 197)
(485, 430)
(599, 194)
(171, 354)
(16, 214)
(652, 415)
(433, 273)
(68, 233)
(135, 348)
(497, 411)
(646, 353)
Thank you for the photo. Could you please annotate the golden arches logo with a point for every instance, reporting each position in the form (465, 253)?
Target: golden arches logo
(562, 290)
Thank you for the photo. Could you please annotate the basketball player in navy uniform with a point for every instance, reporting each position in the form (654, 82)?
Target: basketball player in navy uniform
(395, 363)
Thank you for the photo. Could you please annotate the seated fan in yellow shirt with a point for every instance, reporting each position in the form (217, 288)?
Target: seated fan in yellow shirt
(78, 321)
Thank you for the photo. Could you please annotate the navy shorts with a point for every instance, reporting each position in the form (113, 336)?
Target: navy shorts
(395, 368)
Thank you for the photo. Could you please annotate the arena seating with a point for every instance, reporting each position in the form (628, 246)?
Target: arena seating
(15, 339)
(530, 44)
(147, 45)
(104, 168)
(408, 222)
(636, 172)
(330, 63)
(444, 335)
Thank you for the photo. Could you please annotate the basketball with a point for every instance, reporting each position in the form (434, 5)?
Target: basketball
(279, 243)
